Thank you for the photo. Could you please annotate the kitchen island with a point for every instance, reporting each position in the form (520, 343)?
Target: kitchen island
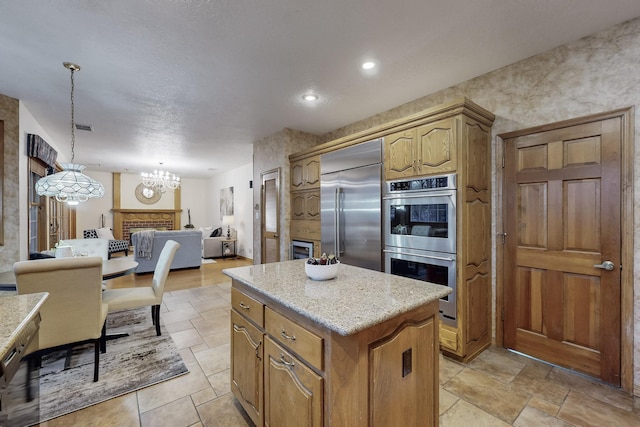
(20, 316)
(357, 350)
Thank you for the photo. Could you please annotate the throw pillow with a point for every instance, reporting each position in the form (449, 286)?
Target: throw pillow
(206, 231)
(105, 233)
(217, 232)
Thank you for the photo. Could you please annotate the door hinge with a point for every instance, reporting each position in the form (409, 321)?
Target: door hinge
(502, 162)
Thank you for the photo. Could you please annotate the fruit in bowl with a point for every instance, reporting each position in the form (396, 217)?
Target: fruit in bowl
(323, 268)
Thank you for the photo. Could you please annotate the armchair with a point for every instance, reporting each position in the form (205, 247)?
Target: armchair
(115, 245)
(89, 247)
(74, 313)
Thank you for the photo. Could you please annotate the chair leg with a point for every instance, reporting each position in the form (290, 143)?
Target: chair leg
(96, 361)
(103, 338)
(157, 317)
(153, 314)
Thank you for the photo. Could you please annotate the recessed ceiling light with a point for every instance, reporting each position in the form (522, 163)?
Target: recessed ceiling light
(310, 97)
(368, 65)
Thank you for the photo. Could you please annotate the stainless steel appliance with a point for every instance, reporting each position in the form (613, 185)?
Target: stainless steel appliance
(350, 194)
(433, 267)
(301, 249)
(421, 213)
(420, 234)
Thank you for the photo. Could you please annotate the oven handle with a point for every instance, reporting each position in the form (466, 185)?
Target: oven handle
(419, 255)
(418, 196)
(338, 208)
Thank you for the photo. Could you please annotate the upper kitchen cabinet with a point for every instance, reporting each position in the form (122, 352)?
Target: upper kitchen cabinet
(305, 174)
(423, 150)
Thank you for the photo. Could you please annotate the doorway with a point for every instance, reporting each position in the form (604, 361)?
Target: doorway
(270, 224)
(564, 294)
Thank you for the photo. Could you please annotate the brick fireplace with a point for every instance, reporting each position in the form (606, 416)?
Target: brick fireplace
(126, 221)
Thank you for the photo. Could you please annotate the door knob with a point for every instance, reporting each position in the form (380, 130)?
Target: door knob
(607, 265)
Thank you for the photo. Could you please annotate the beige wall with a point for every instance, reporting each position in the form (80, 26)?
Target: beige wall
(10, 251)
(268, 154)
(596, 74)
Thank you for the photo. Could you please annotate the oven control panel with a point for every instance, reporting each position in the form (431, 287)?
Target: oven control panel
(421, 184)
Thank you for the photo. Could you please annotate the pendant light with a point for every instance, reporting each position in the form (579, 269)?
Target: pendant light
(70, 185)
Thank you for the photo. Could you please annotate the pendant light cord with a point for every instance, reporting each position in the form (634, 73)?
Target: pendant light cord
(73, 131)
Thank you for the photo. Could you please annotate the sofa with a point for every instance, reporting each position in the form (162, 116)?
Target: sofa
(187, 256)
(212, 246)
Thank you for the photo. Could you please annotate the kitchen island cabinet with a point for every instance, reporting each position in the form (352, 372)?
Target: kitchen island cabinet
(357, 350)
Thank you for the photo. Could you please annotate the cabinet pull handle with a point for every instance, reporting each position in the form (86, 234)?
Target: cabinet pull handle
(287, 337)
(258, 350)
(244, 306)
(282, 359)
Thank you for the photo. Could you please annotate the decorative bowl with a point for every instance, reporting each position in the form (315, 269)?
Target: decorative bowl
(321, 272)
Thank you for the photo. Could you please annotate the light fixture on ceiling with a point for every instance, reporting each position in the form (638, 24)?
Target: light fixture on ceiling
(70, 185)
(310, 97)
(160, 180)
(368, 65)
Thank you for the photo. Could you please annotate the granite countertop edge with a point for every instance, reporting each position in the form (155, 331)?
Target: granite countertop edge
(17, 311)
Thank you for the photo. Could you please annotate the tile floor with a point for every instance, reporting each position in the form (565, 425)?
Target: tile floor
(499, 388)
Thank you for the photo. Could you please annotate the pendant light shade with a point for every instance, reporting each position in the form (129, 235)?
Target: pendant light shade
(70, 185)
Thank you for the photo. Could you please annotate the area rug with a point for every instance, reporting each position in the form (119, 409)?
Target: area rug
(130, 363)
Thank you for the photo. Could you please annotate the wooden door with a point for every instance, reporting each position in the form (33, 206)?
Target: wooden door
(562, 197)
(270, 226)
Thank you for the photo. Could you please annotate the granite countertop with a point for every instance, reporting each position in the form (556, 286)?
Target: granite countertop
(16, 311)
(355, 300)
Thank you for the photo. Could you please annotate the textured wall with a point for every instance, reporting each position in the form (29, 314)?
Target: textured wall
(596, 74)
(10, 251)
(270, 153)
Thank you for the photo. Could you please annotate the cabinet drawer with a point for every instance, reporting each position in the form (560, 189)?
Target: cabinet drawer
(247, 306)
(305, 229)
(449, 338)
(306, 344)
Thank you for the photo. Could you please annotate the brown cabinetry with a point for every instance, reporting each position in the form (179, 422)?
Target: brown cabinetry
(293, 392)
(305, 201)
(424, 150)
(305, 173)
(305, 205)
(383, 375)
(247, 335)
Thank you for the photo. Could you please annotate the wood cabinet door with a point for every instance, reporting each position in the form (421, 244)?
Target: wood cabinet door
(297, 175)
(312, 205)
(399, 154)
(293, 392)
(246, 366)
(563, 200)
(404, 377)
(298, 205)
(436, 148)
(312, 172)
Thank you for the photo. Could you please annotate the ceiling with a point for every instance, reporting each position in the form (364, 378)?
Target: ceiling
(192, 84)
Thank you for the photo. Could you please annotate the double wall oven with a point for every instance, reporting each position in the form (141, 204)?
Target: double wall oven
(420, 234)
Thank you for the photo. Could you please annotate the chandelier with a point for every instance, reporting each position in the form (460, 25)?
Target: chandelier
(160, 180)
(70, 185)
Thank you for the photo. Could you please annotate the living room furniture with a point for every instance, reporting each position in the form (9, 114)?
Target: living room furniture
(74, 313)
(188, 256)
(127, 298)
(115, 245)
(228, 248)
(88, 247)
(212, 246)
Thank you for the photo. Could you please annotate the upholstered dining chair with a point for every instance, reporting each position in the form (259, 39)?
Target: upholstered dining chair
(74, 313)
(127, 298)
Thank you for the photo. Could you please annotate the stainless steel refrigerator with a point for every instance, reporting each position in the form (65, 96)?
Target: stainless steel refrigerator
(350, 194)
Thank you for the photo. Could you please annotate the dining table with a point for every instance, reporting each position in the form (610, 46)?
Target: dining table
(111, 268)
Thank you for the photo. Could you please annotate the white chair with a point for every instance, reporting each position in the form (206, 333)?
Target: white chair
(74, 313)
(127, 298)
(89, 247)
